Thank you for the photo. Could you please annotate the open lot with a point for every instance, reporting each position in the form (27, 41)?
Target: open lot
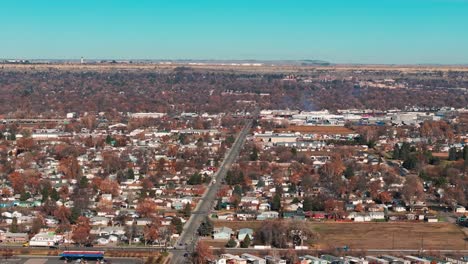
(429, 236)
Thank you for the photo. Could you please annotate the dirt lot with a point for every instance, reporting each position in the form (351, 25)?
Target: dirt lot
(317, 129)
(430, 236)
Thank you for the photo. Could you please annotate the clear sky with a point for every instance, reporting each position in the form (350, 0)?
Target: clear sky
(340, 31)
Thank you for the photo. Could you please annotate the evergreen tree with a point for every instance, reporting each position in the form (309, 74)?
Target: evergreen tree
(195, 179)
(261, 183)
(452, 154)
(54, 195)
(307, 204)
(405, 151)
(83, 182)
(276, 203)
(233, 178)
(109, 140)
(177, 223)
(410, 162)
(130, 174)
(292, 188)
(396, 152)
(312, 204)
(237, 190)
(294, 151)
(218, 204)
(75, 213)
(349, 172)
(254, 154)
(206, 227)
(45, 194)
(187, 211)
(231, 243)
(246, 242)
(121, 176)
(25, 196)
(14, 225)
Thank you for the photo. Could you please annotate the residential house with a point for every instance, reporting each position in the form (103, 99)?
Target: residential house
(460, 209)
(143, 221)
(359, 217)
(297, 214)
(243, 216)
(395, 260)
(418, 260)
(354, 260)
(332, 259)
(267, 215)
(224, 233)
(274, 260)
(99, 220)
(431, 219)
(264, 207)
(373, 259)
(398, 208)
(377, 215)
(308, 259)
(233, 259)
(252, 259)
(226, 216)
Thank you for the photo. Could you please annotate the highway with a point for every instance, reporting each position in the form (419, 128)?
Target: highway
(188, 238)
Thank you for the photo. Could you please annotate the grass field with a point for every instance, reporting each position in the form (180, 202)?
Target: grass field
(429, 236)
(316, 129)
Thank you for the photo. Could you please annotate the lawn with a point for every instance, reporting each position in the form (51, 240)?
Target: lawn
(429, 236)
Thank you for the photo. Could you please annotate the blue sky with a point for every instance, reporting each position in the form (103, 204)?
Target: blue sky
(341, 31)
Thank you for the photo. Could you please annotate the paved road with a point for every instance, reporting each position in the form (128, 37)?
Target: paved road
(57, 260)
(188, 238)
(403, 172)
(97, 248)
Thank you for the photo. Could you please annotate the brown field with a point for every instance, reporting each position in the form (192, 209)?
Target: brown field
(317, 129)
(430, 236)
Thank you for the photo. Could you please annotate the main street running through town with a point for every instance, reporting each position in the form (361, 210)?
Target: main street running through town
(188, 238)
